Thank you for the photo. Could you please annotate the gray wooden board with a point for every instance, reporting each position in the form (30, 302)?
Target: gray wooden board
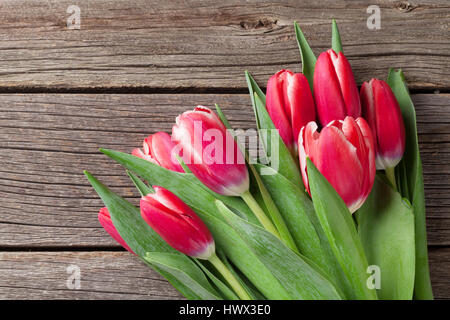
(47, 140)
(126, 44)
(119, 275)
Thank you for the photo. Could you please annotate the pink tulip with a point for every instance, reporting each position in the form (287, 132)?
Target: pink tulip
(335, 91)
(105, 220)
(344, 153)
(290, 104)
(382, 112)
(177, 224)
(210, 152)
(158, 149)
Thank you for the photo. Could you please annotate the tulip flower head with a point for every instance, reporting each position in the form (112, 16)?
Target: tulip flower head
(290, 104)
(381, 110)
(177, 223)
(159, 148)
(211, 152)
(344, 153)
(335, 91)
(105, 220)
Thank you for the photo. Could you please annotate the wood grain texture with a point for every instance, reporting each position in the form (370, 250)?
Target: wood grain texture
(103, 275)
(47, 140)
(119, 275)
(207, 45)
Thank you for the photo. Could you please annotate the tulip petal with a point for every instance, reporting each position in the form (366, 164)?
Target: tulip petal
(176, 223)
(340, 165)
(370, 146)
(161, 149)
(299, 102)
(210, 152)
(105, 220)
(389, 124)
(139, 153)
(347, 83)
(308, 145)
(276, 100)
(327, 91)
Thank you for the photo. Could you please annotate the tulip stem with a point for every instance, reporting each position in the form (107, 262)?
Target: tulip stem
(259, 213)
(229, 277)
(390, 174)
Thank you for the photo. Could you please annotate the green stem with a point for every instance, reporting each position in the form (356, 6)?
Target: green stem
(259, 213)
(232, 281)
(390, 174)
(274, 213)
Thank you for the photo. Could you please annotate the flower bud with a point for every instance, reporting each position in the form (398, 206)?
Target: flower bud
(177, 223)
(381, 110)
(335, 91)
(344, 153)
(159, 148)
(290, 104)
(210, 152)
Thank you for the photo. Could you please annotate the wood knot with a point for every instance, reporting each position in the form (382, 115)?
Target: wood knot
(261, 23)
(405, 6)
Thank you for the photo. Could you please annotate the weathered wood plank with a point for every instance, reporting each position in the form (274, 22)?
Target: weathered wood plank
(439, 266)
(103, 275)
(119, 275)
(46, 140)
(208, 44)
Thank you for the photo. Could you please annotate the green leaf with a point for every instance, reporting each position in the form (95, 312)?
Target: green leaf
(413, 164)
(340, 230)
(286, 164)
(222, 117)
(386, 229)
(240, 254)
(183, 165)
(248, 286)
(186, 186)
(304, 283)
(308, 57)
(336, 44)
(273, 211)
(186, 271)
(136, 233)
(255, 90)
(294, 207)
(227, 292)
(228, 240)
(298, 211)
(402, 178)
(140, 185)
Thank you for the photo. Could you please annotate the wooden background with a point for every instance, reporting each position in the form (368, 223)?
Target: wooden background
(131, 68)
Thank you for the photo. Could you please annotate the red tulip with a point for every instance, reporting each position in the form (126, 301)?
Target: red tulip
(210, 152)
(290, 104)
(177, 224)
(382, 112)
(105, 220)
(344, 153)
(335, 91)
(158, 148)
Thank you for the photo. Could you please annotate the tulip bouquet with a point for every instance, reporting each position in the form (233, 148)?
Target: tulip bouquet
(332, 206)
